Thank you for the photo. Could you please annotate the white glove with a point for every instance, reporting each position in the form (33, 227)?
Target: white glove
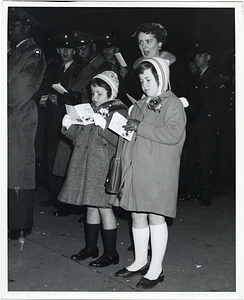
(130, 109)
(184, 101)
(67, 122)
(99, 120)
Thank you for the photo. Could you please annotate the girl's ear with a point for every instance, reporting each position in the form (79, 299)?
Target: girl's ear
(74, 51)
(160, 44)
(58, 50)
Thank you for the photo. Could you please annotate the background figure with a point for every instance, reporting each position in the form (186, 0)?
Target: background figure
(109, 46)
(158, 121)
(226, 140)
(203, 132)
(94, 147)
(91, 64)
(26, 67)
(55, 110)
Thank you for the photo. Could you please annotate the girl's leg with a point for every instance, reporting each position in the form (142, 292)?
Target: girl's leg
(92, 227)
(109, 235)
(140, 232)
(159, 239)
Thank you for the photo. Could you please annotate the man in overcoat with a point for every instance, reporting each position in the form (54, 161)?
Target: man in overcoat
(26, 67)
(203, 132)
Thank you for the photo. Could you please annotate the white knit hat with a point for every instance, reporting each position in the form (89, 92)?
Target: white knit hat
(162, 68)
(112, 80)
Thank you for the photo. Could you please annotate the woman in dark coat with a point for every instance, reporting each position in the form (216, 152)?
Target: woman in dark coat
(94, 146)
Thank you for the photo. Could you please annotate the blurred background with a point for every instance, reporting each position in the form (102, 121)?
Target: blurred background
(185, 26)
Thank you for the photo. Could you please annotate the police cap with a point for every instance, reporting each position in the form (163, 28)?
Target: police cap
(64, 40)
(201, 48)
(108, 40)
(81, 38)
(19, 14)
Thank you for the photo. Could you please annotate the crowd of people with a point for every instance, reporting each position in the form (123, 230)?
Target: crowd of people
(182, 146)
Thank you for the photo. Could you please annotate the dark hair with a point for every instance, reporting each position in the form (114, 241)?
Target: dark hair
(154, 28)
(101, 83)
(145, 65)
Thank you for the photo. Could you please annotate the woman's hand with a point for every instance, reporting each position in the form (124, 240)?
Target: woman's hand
(132, 125)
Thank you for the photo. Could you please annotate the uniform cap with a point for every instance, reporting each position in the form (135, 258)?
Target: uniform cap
(81, 38)
(200, 49)
(19, 14)
(63, 40)
(108, 40)
(111, 78)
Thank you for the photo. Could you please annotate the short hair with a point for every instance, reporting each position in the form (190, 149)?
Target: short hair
(101, 83)
(145, 65)
(154, 28)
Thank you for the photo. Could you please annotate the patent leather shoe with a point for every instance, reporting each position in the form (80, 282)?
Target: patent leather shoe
(105, 261)
(85, 253)
(145, 283)
(124, 273)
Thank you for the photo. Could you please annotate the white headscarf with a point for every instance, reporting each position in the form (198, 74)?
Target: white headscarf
(162, 68)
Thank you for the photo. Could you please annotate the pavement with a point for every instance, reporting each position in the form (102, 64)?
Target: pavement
(200, 258)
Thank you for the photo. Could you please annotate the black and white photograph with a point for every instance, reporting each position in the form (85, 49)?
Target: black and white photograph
(121, 150)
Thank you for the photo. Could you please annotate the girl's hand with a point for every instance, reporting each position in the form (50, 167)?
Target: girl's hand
(99, 120)
(67, 122)
(132, 125)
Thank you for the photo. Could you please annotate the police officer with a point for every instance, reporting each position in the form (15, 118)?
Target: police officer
(203, 132)
(26, 67)
(110, 46)
(91, 64)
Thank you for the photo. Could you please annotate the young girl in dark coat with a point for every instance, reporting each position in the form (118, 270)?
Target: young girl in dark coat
(94, 146)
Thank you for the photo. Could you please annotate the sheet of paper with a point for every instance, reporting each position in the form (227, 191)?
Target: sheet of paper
(85, 113)
(120, 59)
(116, 124)
(59, 88)
(72, 113)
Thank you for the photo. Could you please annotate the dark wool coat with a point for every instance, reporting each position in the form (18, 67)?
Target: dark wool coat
(151, 161)
(88, 168)
(26, 67)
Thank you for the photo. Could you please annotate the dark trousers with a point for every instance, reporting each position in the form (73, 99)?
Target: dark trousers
(20, 209)
(202, 155)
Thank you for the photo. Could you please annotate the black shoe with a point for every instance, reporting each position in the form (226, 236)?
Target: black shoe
(145, 283)
(124, 273)
(62, 213)
(47, 203)
(85, 253)
(206, 202)
(105, 261)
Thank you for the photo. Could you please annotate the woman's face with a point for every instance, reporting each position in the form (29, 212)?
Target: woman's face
(99, 95)
(148, 45)
(148, 83)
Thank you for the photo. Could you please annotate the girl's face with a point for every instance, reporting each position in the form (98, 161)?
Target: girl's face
(148, 83)
(148, 45)
(99, 95)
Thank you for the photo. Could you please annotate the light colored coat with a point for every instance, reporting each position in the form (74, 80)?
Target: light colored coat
(151, 161)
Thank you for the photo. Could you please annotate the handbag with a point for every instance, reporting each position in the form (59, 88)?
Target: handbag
(113, 179)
